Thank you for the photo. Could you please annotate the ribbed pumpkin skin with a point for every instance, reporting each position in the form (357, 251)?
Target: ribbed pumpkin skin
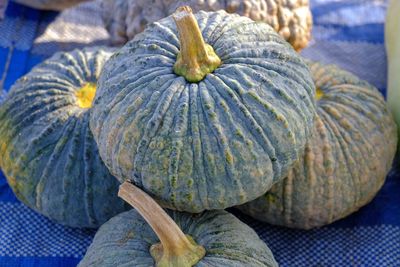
(212, 144)
(345, 162)
(50, 4)
(125, 240)
(48, 153)
(292, 19)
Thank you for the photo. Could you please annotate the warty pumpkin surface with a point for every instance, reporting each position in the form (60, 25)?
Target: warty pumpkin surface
(48, 153)
(127, 240)
(345, 162)
(210, 144)
(50, 4)
(292, 19)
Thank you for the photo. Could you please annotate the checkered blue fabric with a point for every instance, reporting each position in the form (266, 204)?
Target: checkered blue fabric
(349, 33)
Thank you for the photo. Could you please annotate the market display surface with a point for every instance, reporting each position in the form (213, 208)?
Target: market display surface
(345, 33)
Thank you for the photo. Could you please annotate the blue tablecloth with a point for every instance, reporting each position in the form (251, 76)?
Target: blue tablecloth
(349, 33)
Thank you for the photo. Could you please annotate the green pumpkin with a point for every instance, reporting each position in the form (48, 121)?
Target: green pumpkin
(50, 4)
(48, 153)
(345, 162)
(291, 19)
(199, 129)
(222, 239)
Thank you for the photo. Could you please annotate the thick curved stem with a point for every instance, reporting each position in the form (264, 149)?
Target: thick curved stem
(176, 249)
(196, 58)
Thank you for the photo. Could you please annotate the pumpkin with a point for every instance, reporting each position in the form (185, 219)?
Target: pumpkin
(290, 18)
(213, 238)
(199, 129)
(48, 153)
(57, 5)
(392, 42)
(345, 162)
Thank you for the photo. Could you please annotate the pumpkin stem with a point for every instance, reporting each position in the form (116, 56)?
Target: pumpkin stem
(176, 249)
(196, 58)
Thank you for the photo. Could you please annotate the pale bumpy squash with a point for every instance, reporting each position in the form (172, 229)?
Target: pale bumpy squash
(50, 4)
(290, 18)
(392, 42)
(47, 150)
(215, 238)
(345, 162)
(222, 139)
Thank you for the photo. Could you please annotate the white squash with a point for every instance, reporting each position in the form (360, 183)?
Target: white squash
(392, 41)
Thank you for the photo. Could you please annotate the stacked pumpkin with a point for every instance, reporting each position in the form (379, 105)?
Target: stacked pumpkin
(202, 112)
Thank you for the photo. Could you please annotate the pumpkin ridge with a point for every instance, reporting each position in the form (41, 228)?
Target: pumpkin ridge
(23, 118)
(243, 111)
(292, 75)
(213, 122)
(150, 130)
(215, 34)
(72, 65)
(65, 73)
(197, 132)
(124, 97)
(206, 148)
(87, 139)
(311, 173)
(217, 87)
(173, 39)
(363, 151)
(282, 95)
(340, 154)
(69, 166)
(359, 124)
(130, 89)
(287, 197)
(145, 108)
(68, 127)
(268, 66)
(213, 79)
(43, 134)
(130, 120)
(341, 141)
(176, 153)
(327, 155)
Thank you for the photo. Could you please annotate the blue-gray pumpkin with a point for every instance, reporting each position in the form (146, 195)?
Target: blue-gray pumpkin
(48, 153)
(125, 240)
(199, 129)
(345, 162)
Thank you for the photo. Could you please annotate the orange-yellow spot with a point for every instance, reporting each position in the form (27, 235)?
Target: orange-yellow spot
(319, 94)
(85, 95)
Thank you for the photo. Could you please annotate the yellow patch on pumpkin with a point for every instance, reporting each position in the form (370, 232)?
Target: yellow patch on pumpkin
(319, 94)
(85, 95)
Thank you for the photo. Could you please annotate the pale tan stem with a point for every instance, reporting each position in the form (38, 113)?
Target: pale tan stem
(177, 249)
